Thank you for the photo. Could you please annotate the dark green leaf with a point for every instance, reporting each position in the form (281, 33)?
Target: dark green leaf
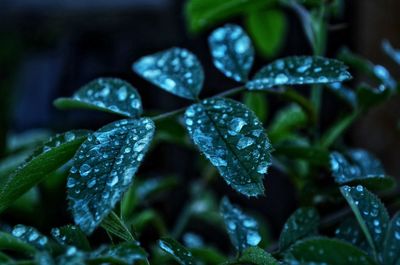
(104, 167)
(128, 253)
(9, 242)
(390, 51)
(299, 70)
(254, 256)
(242, 229)
(31, 236)
(370, 213)
(257, 102)
(267, 27)
(368, 97)
(321, 250)
(105, 94)
(175, 70)
(337, 129)
(71, 235)
(207, 255)
(312, 154)
(179, 252)
(350, 231)
(115, 226)
(232, 52)
(391, 250)
(302, 223)
(233, 139)
(44, 160)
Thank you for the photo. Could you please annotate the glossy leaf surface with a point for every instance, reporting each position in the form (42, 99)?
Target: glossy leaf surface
(179, 252)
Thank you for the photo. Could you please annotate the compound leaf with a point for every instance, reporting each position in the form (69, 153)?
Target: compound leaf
(103, 169)
(178, 251)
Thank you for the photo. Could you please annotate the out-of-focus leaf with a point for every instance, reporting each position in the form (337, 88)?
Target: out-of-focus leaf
(312, 154)
(9, 242)
(175, 70)
(242, 229)
(337, 129)
(267, 27)
(179, 252)
(345, 93)
(105, 94)
(390, 51)
(391, 251)
(26, 140)
(116, 226)
(299, 70)
(44, 160)
(302, 223)
(148, 219)
(368, 97)
(72, 236)
(232, 51)
(257, 102)
(321, 250)
(127, 253)
(233, 139)
(350, 231)
(31, 236)
(208, 255)
(104, 167)
(254, 256)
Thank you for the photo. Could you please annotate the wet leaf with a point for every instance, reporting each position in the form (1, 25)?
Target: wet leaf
(232, 51)
(391, 252)
(299, 70)
(127, 253)
(254, 256)
(105, 94)
(390, 51)
(181, 254)
(370, 213)
(115, 226)
(350, 231)
(72, 236)
(104, 167)
(175, 70)
(31, 236)
(322, 250)
(302, 223)
(233, 139)
(257, 102)
(44, 160)
(10, 242)
(242, 229)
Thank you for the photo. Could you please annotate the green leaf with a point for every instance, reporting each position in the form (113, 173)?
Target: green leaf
(299, 70)
(368, 97)
(175, 70)
(254, 256)
(302, 223)
(321, 250)
(370, 213)
(31, 236)
(9, 242)
(127, 253)
(391, 253)
(71, 235)
(359, 167)
(350, 231)
(257, 102)
(242, 229)
(115, 226)
(208, 255)
(201, 14)
(44, 160)
(312, 154)
(179, 252)
(390, 51)
(232, 51)
(104, 167)
(267, 27)
(233, 139)
(105, 94)
(337, 129)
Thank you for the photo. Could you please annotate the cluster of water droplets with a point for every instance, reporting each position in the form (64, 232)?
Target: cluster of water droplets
(126, 253)
(232, 51)
(104, 167)
(111, 94)
(233, 139)
(183, 255)
(299, 70)
(30, 235)
(175, 70)
(242, 229)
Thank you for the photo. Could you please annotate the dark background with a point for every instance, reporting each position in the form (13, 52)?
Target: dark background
(49, 48)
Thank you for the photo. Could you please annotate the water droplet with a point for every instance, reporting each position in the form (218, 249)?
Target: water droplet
(244, 142)
(85, 170)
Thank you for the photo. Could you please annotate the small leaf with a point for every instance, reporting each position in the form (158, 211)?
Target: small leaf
(368, 97)
(103, 169)
(390, 51)
(179, 252)
(361, 167)
(254, 256)
(232, 138)
(175, 70)
(267, 27)
(105, 94)
(350, 231)
(116, 226)
(242, 229)
(302, 223)
(299, 70)
(44, 160)
(337, 129)
(321, 250)
(31, 236)
(370, 213)
(257, 102)
(127, 253)
(71, 235)
(232, 51)
(391, 252)
(9, 242)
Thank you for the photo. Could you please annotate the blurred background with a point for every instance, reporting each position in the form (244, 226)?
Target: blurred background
(50, 48)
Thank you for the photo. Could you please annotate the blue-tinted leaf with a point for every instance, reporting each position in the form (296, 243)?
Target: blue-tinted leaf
(30, 235)
(44, 160)
(360, 167)
(370, 213)
(345, 93)
(392, 52)
(127, 253)
(391, 250)
(302, 223)
(9, 242)
(103, 169)
(175, 70)
(321, 250)
(254, 256)
(242, 229)
(299, 70)
(115, 226)
(232, 51)
(179, 252)
(71, 235)
(72, 256)
(232, 138)
(105, 94)
(350, 231)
